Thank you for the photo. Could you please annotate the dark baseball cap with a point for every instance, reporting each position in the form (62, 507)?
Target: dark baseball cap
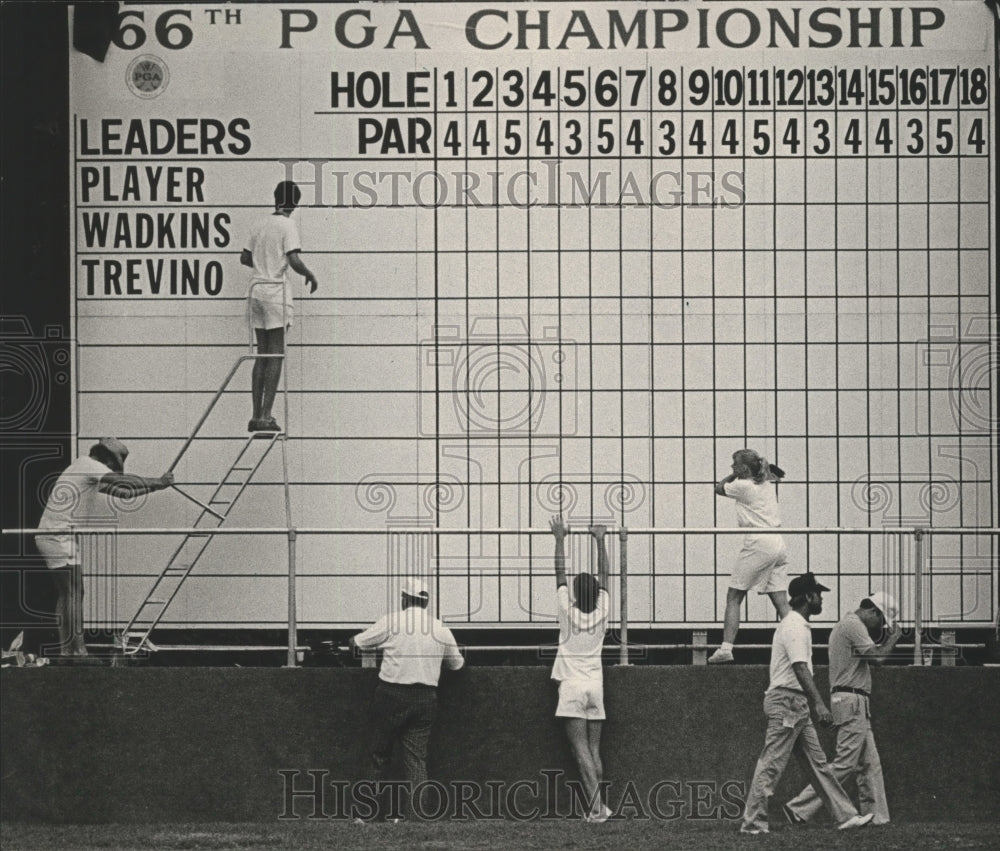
(804, 584)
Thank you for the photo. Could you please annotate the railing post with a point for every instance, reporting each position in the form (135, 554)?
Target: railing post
(699, 655)
(918, 595)
(623, 593)
(292, 615)
(949, 652)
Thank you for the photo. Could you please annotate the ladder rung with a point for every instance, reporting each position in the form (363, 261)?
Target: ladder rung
(142, 626)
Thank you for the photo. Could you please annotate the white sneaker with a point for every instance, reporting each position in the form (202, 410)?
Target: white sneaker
(720, 656)
(858, 820)
(599, 817)
(750, 830)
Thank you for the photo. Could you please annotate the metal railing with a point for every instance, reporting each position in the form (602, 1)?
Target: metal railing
(917, 533)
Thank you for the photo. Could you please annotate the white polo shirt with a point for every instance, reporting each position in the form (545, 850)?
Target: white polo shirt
(414, 645)
(792, 643)
(269, 244)
(581, 638)
(76, 500)
(756, 505)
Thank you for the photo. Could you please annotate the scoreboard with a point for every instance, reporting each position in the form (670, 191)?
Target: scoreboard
(571, 256)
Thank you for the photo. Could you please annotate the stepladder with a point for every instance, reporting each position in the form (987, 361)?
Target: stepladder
(214, 512)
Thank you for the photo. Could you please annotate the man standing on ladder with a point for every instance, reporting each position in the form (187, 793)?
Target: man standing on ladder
(272, 247)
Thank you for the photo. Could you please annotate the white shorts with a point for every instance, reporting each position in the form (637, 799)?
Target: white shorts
(268, 315)
(58, 550)
(761, 564)
(581, 699)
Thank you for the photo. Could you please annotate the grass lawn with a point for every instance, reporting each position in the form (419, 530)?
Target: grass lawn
(304, 835)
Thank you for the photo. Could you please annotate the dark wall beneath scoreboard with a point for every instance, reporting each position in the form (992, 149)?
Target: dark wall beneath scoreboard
(166, 744)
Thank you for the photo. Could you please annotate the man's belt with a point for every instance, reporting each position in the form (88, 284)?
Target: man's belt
(860, 691)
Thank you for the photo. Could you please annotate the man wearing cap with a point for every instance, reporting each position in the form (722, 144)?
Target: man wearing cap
(414, 645)
(78, 499)
(852, 651)
(790, 698)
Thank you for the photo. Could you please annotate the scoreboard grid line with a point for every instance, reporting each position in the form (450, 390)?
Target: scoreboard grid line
(766, 329)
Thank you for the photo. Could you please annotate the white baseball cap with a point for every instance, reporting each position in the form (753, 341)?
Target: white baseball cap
(886, 604)
(414, 587)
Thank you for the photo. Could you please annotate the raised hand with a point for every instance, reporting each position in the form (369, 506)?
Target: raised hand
(559, 529)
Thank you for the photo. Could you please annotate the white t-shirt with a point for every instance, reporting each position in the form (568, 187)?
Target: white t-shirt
(792, 643)
(581, 638)
(414, 644)
(269, 243)
(756, 505)
(75, 499)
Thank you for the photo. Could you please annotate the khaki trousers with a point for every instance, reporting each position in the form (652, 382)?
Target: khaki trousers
(856, 757)
(790, 730)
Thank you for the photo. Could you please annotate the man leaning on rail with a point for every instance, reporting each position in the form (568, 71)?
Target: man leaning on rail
(414, 646)
(84, 495)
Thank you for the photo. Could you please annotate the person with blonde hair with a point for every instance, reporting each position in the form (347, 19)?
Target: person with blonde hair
(763, 560)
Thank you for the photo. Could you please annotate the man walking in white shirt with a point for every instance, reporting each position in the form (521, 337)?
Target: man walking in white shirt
(788, 701)
(582, 624)
(414, 645)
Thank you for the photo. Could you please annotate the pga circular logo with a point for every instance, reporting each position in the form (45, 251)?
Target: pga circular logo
(147, 76)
